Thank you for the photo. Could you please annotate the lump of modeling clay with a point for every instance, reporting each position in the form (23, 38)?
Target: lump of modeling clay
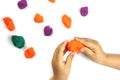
(38, 18)
(84, 11)
(74, 46)
(29, 53)
(18, 41)
(22, 4)
(66, 21)
(52, 1)
(48, 31)
(9, 23)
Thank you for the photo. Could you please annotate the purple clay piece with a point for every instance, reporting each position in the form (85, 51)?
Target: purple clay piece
(48, 31)
(22, 4)
(84, 11)
(23, 0)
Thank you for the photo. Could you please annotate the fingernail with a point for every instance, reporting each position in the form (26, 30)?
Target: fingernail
(66, 41)
(75, 37)
(73, 53)
(82, 50)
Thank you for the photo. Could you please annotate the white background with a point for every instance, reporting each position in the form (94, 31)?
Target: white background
(101, 24)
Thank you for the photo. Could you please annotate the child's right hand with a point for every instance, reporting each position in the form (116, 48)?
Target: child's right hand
(93, 50)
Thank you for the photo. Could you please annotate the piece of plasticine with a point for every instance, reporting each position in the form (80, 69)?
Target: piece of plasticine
(48, 31)
(84, 11)
(52, 1)
(74, 46)
(9, 23)
(38, 18)
(18, 41)
(66, 21)
(22, 4)
(29, 53)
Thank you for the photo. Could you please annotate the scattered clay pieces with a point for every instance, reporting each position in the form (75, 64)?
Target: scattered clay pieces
(9, 23)
(66, 21)
(22, 4)
(18, 41)
(84, 11)
(29, 53)
(38, 18)
(48, 31)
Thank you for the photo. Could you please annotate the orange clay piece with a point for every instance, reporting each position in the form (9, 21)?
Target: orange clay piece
(29, 53)
(74, 46)
(52, 1)
(9, 23)
(38, 18)
(66, 21)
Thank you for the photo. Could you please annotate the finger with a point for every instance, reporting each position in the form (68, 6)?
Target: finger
(88, 52)
(60, 51)
(65, 51)
(84, 40)
(90, 43)
(69, 59)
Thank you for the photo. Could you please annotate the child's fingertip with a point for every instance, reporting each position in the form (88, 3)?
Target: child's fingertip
(66, 41)
(73, 53)
(76, 38)
(82, 49)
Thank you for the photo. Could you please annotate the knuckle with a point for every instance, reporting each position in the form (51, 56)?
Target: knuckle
(96, 42)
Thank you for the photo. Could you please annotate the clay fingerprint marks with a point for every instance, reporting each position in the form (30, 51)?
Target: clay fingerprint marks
(84, 11)
(9, 23)
(22, 4)
(66, 20)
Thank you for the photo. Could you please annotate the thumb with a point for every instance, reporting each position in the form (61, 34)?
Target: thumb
(88, 52)
(69, 59)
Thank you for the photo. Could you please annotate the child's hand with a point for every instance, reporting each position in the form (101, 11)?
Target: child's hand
(93, 50)
(61, 68)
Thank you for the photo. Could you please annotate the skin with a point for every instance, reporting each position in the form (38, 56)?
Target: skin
(95, 52)
(61, 68)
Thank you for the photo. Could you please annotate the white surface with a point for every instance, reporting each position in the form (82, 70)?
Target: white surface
(102, 24)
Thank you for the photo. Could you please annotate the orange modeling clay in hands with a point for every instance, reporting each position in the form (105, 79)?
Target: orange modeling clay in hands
(9, 23)
(38, 18)
(74, 46)
(66, 21)
(29, 53)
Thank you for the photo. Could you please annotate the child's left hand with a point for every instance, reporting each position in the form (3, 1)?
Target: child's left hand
(61, 69)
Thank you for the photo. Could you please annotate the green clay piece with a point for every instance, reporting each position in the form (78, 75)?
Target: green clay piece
(18, 41)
